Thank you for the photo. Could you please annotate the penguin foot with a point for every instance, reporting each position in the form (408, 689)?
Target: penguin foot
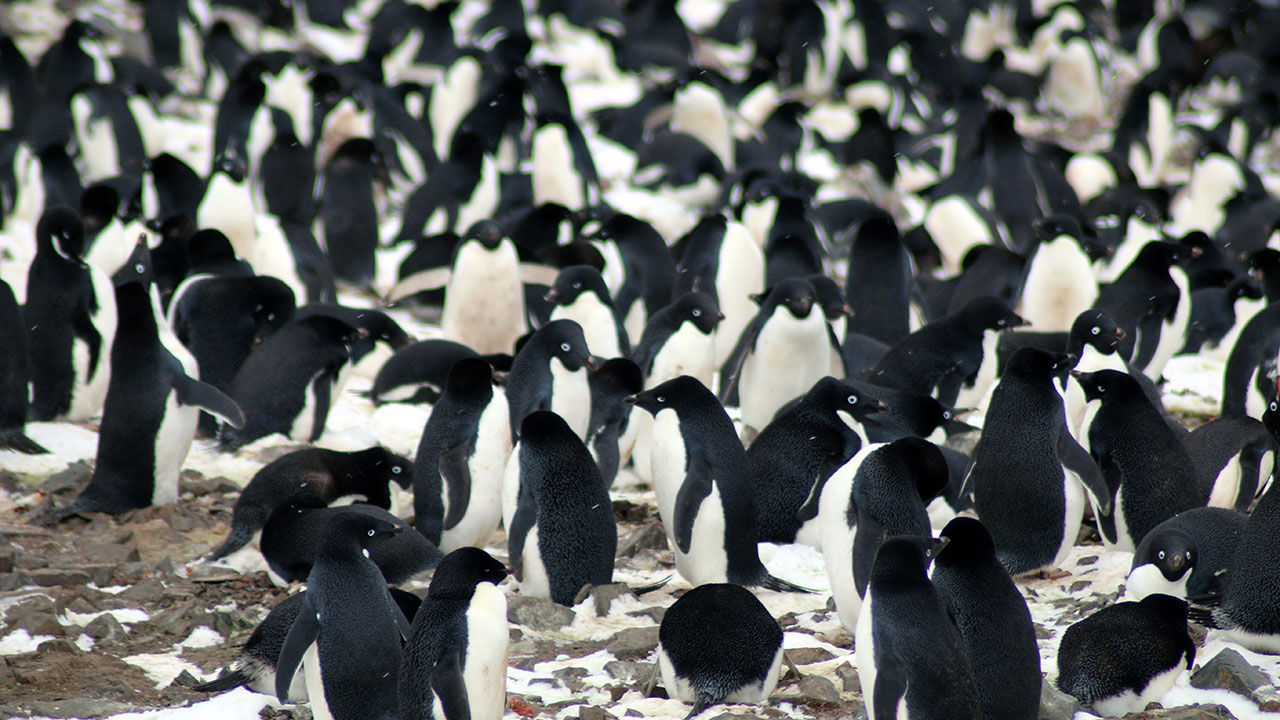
(779, 585)
(642, 589)
(653, 681)
(792, 670)
(18, 441)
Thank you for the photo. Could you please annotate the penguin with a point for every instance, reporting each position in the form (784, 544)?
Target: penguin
(152, 406)
(285, 184)
(227, 204)
(347, 633)
(1126, 655)
(610, 435)
(1249, 380)
(288, 383)
(1234, 458)
(879, 285)
(417, 372)
(563, 535)
(463, 616)
(1151, 301)
(1059, 283)
(911, 657)
(1146, 467)
(460, 192)
(312, 475)
(780, 355)
(1029, 475)
(347, 210)
(458, 470)
(71, 319)
(1218, 316)
(720, 259)
(806, 442)
(1186, 556)
(647, 281)
(953, 358)
(700, 475)
(880, 492)
(293, 537)
(579, 294)
(550, 373)
(14, 373)
(993, 619)
(484, 294)
(718, 644)
(255, 666)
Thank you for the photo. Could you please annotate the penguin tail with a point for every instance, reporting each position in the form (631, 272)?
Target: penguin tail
(239, 537)
(642, 589)
(226, 680)
(779, 585)
(15, 439)
(1205, 616)
(699, 706)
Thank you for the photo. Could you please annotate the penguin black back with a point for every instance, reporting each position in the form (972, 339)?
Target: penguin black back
(293, 541)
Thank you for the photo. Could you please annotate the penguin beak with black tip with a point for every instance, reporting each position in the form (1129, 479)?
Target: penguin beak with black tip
(551, 296)
(937, 545)
(1177, 560)
(631, 399)
(594, 363)
(499, 377)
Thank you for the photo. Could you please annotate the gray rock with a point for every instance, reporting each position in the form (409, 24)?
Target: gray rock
(809, 655)
(1055, 704)
(1188, 712)
(604, 595)
(572, 678)
(628, 672)
(655, 613)
(75, 474)
(1228, 670)
(538, 613)
(80, 708)
(633, 643)
(649, 536)
(595, 712)
(816, 690)
(58, 646)
(105, 628)
(848, 678)
(59, 577)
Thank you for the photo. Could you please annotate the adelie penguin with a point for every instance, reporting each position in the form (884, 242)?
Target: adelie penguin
(312, 475)
(454, 664)
(1187, 556)
(458, 471)
(550, 373)
(348, 631)
(611, 435)
(563, 535)
(153, 403)
(1151, 301)
(579, 294)
(911, 656)
(700, 477)
(720, 259)
(348, 211)
(71, 317)
(14, 374)
(718, 644)
(1146, 646)
(417, 373)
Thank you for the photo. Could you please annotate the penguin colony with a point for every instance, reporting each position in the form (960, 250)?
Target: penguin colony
(846, 274)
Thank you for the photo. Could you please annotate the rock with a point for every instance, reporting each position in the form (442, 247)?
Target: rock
(1188, 712)
(629, 512)
(654, 613)
(595, 712)
(169, 566)
(39, 623)
(58, 646)
(59, 577)
(186, 680)
(649, 536)
(105, 627)
(629, 672)
(200, 487)
(80, 708)
(1228, 670)
(75, 474)
(633, 643)
(848, 678)
(1055, 704)
(146, 592)
(572, 678)
(816, 690)
(809, 655)
(604, 595)
(8, 559)
(538, 613)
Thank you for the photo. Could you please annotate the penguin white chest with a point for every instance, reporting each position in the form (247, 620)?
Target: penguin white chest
(598, 324)
(837, 531)
(1059, 285)
(706, 561)
(791, 354)
(315, 683)
(971, 394)
(687, 352)
(667, 465)
(484, 302)
(534, 581)
(740, 275)
(1146, 579)
(89, 389)
(485, 666)
(486, 465)
(571, 397)
(554, 178)
(228, 206)
(172, 443)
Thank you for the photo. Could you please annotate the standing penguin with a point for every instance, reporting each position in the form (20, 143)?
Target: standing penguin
(611, 434)
(1186, 556)
(1147, 470)
(287, 384)
(881, 492)
(1249, 613)
(550, 373)
(153, 403)
(1249, 380)
(995, 624)
(312, 475)
(464, 616)
(700, 478)
(1029, 475)
(70, 316)
(579, 294)
(781, 354)
(880, 287)
(798, 451)
(1145, 646)
(457, 476)
(911, 657)
(720, 259)
(1059, 284)
(1151, 302)
(718, 643)
(348, 211)
(346, 634)
(1234, 458)
(14, 373)
(563, 534)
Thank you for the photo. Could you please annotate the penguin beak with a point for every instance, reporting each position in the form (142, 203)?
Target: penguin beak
(1077, 374)
(846, 311)
(594, 363)
(719, 316)
(937, 545)
(1121, 334)
(499, 377)
(879, 406)
(631, 399)
(551, 295)
(1177, 561)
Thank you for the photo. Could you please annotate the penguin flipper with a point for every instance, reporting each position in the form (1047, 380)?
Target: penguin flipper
(890, 685)
(1076, 459)
(695, 489)
(15, 439)
(522, 521)
(456, 473)
(737, 357)
(403, 623)
(324, 399)
(226, 680)
(303, 632)
(450, 688)
(193, 393)
(1148, 338)
(429, 279)
(808, 510)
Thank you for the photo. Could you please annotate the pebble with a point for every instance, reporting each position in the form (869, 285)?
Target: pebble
(538, 613)
(1228, 670)
(633, 643)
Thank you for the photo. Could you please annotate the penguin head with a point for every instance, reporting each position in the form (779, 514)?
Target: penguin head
(1103, 384)
(1244, 287)
(275, 304)
(488, 232)
(137, 269)
(61, 232)
(905, 559)
(1052, 227)
(209, 247)
(621, 375)
(1271, 415)
(575, 280)
(1036, 364)
(393, 467)
(565, 342)
(830, 297)
(98, 206)
(700, 309)
(470, 377)
(1098, 328)
(796, 294)
(462, 570)
(846, 401)
(543, 430)
(922, 462)
(879, 229)
(989, 313)
(1172, 552)
(232, 163)
(668, 395)
(1162, 254)
(362, 528)
(968, 542)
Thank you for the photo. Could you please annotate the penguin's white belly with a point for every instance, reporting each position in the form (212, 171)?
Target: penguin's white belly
(637, 317)
(1173, 333)
(1257, 642)
(810, 533)
(1147, 580)
(305, 421)
(173, 442)
(484, 302)
(1226, 486)
(667, 466)
(837, 538)
(1254, 403)
(1059, 286)
(864, 650)
(533, 574)
(1123, 540)
(1073, 492)
(789, 357)
(641, 424)
(706, 561)
(510, 486)
(228, 206)
(1245, 309)
(687, 352)
(597, 321)
(89, 389)
(315, 683)
(483, 200)
(971, 395)
(1130, 701)
(740, 275)
(554, 177)
(486, 465)
(485, 666)
(571, 397)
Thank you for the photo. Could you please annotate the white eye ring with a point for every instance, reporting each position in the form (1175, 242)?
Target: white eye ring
(564, 347)
(1101, 389)
(395, 470)
(697, 312)
(139, 268)
(852, 399)
(1188, 556)
(577, 285)
(370, 533)
(1272, 406)
(1160, 554)
(1094, 331)
(661, 399)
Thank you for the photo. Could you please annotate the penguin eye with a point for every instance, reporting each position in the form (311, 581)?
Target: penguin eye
(946, 414)
(1188, 555)
(395, 470)
(852, 400)
(1101, 389)
(371, 533)
(1272, 406)
(1160, 555)
(139, 268)
(696, 312)
(271, 316)
(1001, 322)
(564, 347)
(1094, 331)
(577, 285)
(661, 398)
